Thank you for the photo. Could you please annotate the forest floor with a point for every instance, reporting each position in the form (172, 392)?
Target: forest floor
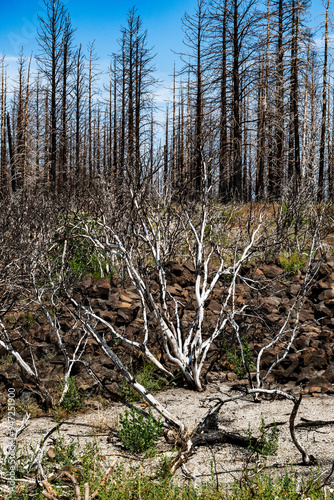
(224, 462)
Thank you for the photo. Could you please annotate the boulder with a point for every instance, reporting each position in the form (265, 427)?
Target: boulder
(306, 375)
(102, 287)
(176, 289)
(329, 373)
(322, 311)
(315, 357)
(214, 307)
(326, 294)
(271, 270)
(319, 384)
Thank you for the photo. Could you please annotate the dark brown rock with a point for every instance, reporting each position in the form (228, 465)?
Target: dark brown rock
(175, 290)
(190, 267)
(137, 324)
(271, 270)
(305, 375)
(330, 304)
(319, 384)
(292, 364)
(124, 315)
(3, 398)
(326, 294)
(214, 307)
(322, 310)
(102, 288)
(275, 318)
(34, 329)
(268, 358)
(302, 342)
(329, 373)
(314, 357)
(106, 361)
(306, 315)
(307, 357)
(257, 274)
(109, 316)
(177, 274)
(295, 288)
(329, 260)
(98, 304)
(271, 304)
(114, 303)
(176, 268)
(326, 336)
(319, 360)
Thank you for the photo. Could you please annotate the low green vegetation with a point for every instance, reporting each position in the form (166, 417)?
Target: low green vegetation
(234, 358)
(145, 374)
(132, 483)
(87, 259)
(62, 453)
(74, 397)
(125, 484)
(80, 253)
(267, 443)
(6, 362)
(291, 263)
(138, 433)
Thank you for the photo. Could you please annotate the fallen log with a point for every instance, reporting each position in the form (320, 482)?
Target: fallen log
(224, 437)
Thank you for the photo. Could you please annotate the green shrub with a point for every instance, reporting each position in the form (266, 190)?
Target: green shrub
(138, 433)
(83, 256)
(292, 263)
(267, 443)
(74, 397)
(235, 360)
(147, 377)
(88, 259)
(65, 453)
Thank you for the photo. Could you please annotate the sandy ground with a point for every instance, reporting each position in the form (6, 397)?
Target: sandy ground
(228, 461)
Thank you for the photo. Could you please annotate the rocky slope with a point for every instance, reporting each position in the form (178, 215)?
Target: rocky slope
(310, 361)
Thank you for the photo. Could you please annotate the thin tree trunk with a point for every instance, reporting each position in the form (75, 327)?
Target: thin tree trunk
(323, 113)
(11, 156)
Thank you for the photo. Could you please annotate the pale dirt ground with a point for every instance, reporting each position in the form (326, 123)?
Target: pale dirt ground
(190, 406)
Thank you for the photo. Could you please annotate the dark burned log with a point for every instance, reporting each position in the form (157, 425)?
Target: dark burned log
(314, 423)
(224, 437)
(305, 423)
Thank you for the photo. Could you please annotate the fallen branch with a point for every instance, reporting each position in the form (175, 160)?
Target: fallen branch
(224, 437)
(314, 423)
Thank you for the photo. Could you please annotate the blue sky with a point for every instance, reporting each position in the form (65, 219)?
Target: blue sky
(100, 20)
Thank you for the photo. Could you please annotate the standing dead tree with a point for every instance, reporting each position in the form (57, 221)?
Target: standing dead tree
(218, 246)
(218, 249)
(187, 349)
